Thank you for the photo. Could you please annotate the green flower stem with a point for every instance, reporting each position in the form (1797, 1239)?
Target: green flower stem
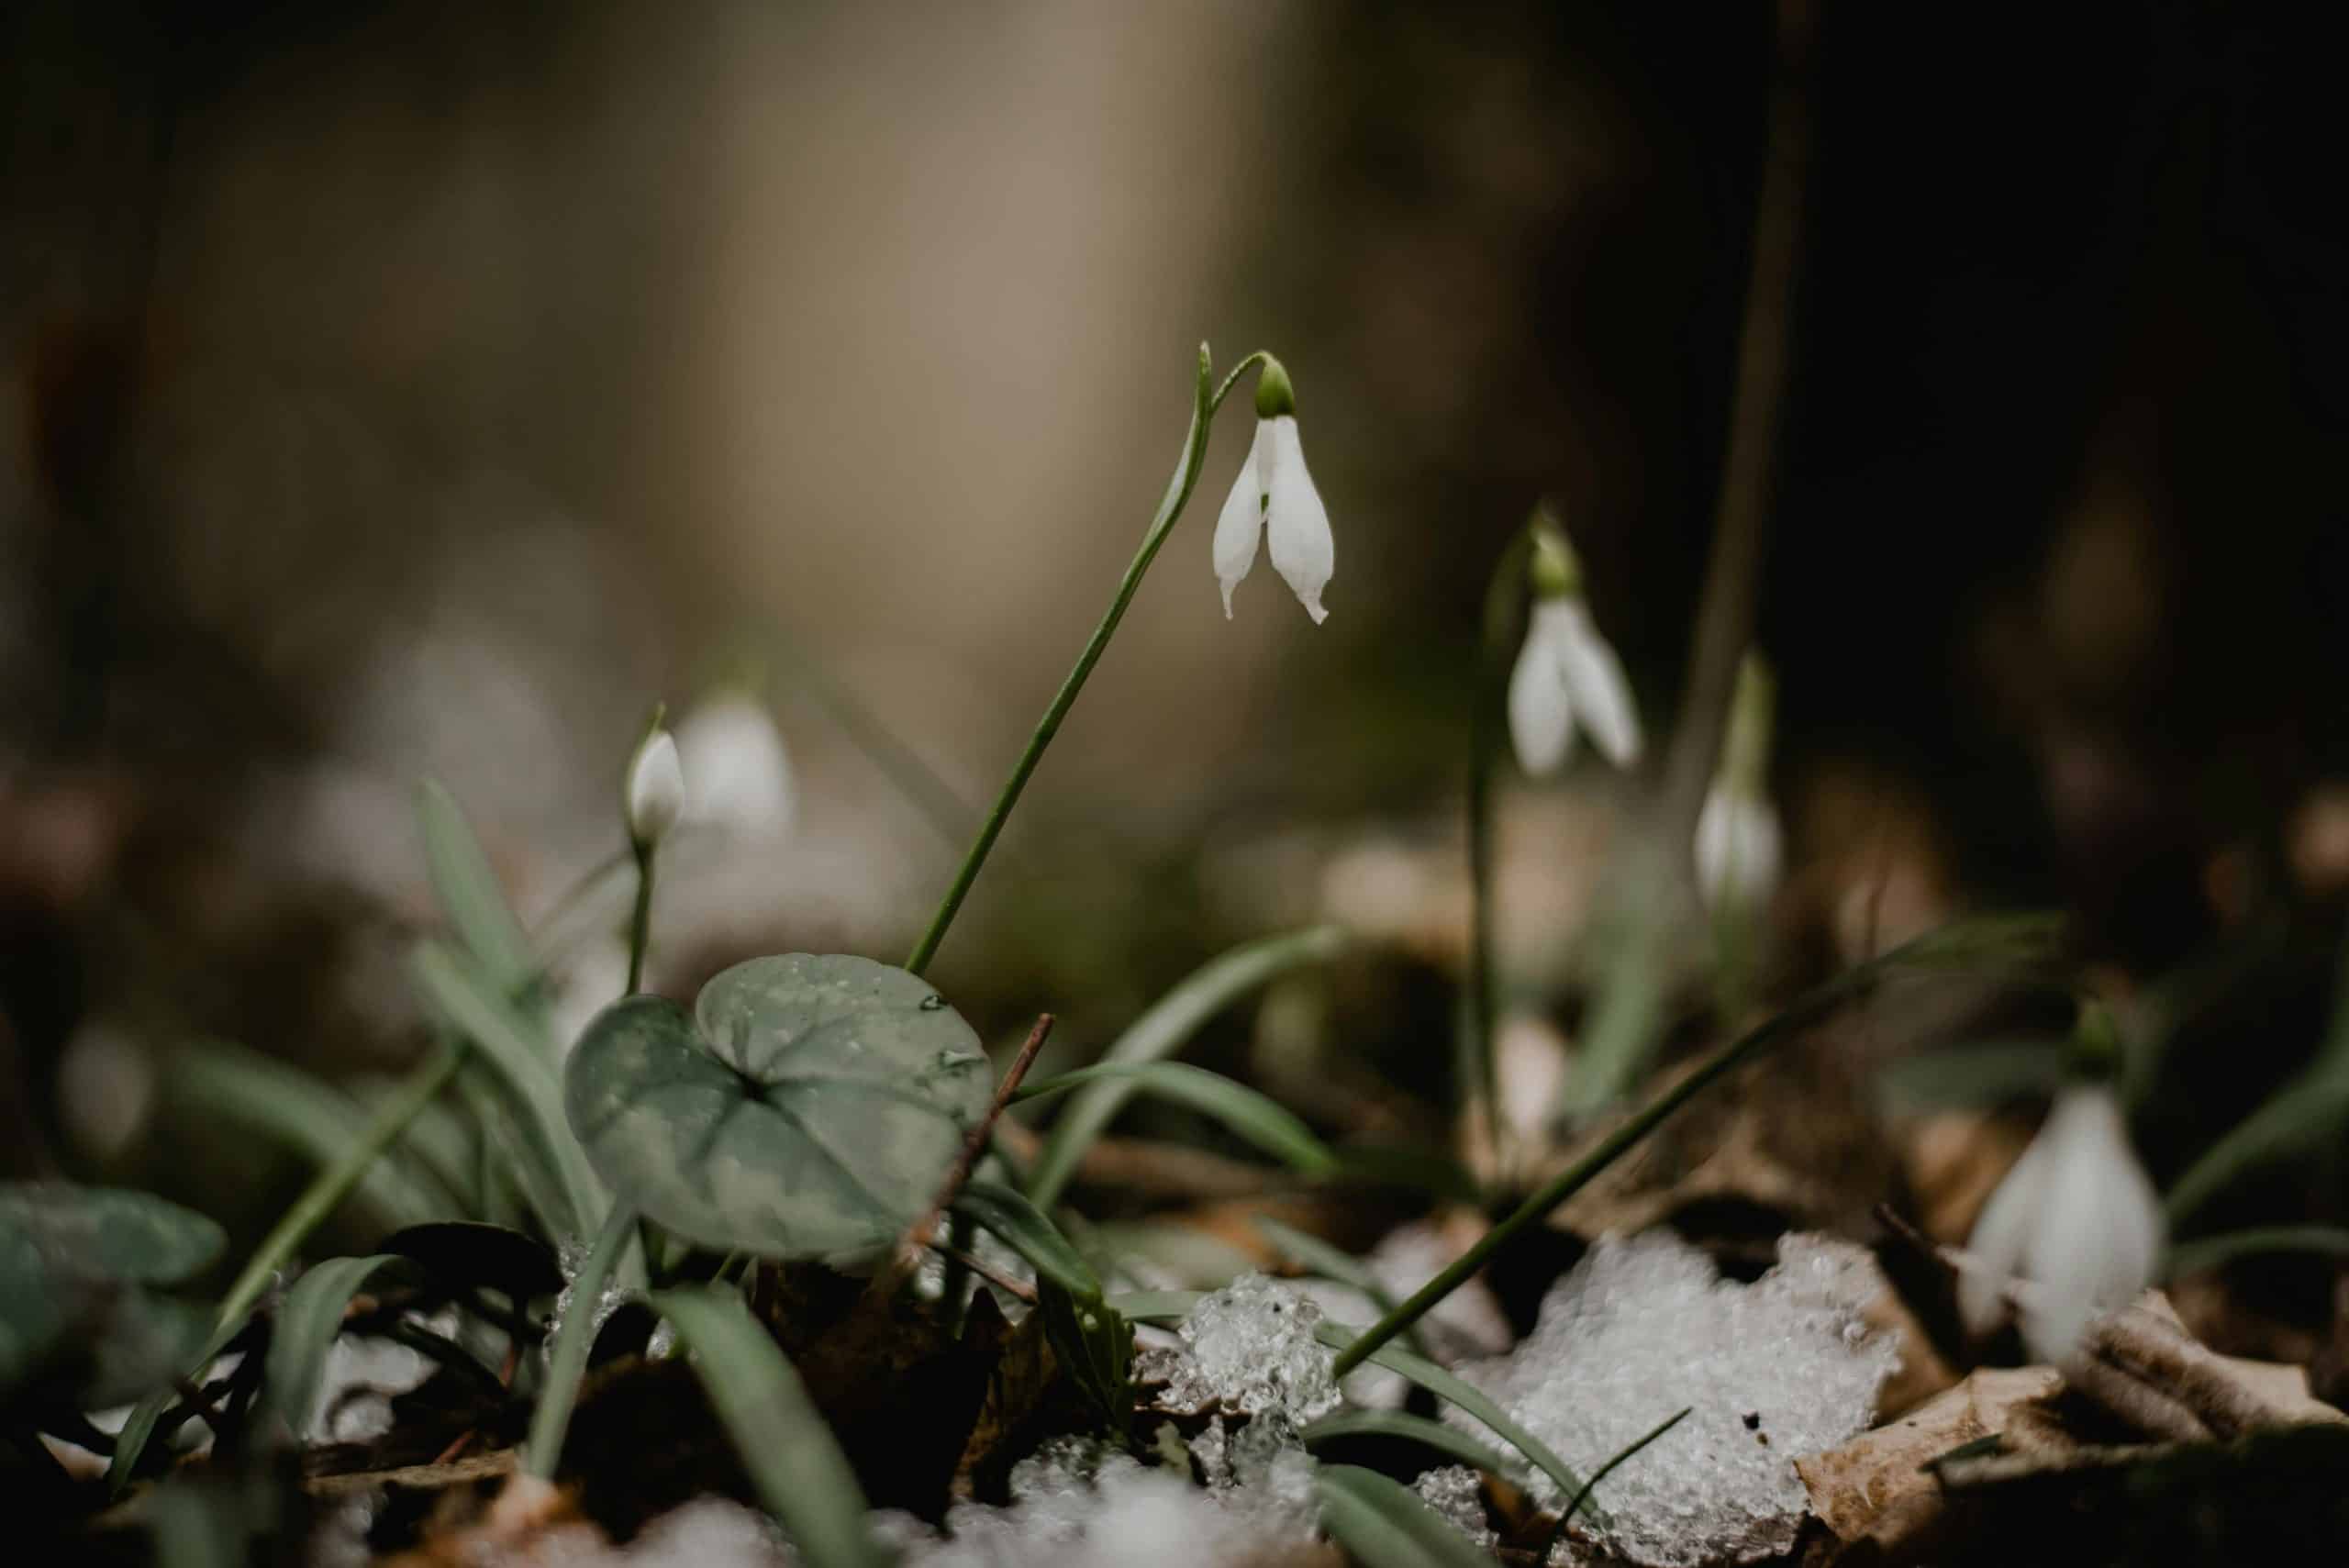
(1170, 509)
(1478, 1067)
(574, 1337)
(640, 924)
(1814, 1004)
(334, 1184)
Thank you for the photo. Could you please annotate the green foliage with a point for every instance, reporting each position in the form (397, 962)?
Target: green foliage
(574, 1337)
(1449, 1442)
(1383, 1523)
(798, 1469)
(80, 1319)
(470, 896)
(1162, 1030)
(308, 1322)
(1988, 1074)
(1262, 1121)
(808, 1106)
(1096, 1343)
(1021, 1226)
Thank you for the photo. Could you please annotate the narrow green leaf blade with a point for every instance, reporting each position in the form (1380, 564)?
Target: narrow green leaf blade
(1383, 1523)
(1262, 1121)
(1161, 1031)
(1449, 1442)
(308, 1322)
(461, 994)
(467, 887)
(801, 1475)
(1984, 1075)
(2210, 1251)
(310, 1117)
(1022, 1227)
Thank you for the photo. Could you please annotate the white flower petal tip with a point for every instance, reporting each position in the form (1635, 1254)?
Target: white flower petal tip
(1567, 679)
(1274, 500)
(738, 772)
(654, 796)
(2077, 1217)
(1739, 851)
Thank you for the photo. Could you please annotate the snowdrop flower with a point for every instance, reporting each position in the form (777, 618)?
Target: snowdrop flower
(2077, 1216)
(1567, 678)
(1739, 847)
(654, 796)
(738, 776)
(1274, 496)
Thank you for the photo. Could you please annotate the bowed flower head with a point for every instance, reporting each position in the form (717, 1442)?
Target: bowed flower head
(1274, 497)
(2078, 1216)
(1567, 678)
(738, 774)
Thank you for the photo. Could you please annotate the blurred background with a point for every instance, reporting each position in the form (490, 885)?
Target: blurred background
(405, 389)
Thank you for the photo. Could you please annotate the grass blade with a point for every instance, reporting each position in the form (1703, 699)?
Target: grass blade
(1383, 1524)
(1022, 1227)
(801, 1475)
(468, 893)
(1974, 1076)
(308, 1322)
(308, 1115)
(1582, 1497)
(1449, 1442)
(1161, 1031)
(461, 994)
(574, 1337)
(1263, 1122)
(1334, 1263)
(2210, 1251)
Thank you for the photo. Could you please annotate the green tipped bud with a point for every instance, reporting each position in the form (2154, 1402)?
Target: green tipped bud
(2096, 1041)
(1746, 753)
(1275, 396)
(1555, 567)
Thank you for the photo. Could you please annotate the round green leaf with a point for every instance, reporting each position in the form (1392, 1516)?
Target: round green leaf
(110, 1233)
(808, 1107)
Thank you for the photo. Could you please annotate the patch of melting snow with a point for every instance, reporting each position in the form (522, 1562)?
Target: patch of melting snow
(1644, 1327)
(1457, 1493)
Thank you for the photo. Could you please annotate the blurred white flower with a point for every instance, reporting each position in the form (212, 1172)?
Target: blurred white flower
(1274, 496)
(654, 796)
(738, 774)
(1567, 678)
(1739, 851)
(2077, 1216)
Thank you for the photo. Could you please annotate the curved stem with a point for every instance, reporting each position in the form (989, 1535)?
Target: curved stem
(640, 924)
(574, 1337)
(1478, 1066)
(1170, 507)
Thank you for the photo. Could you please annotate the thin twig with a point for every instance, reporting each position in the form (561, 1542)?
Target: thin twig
(994, 1276)
(920, 1233)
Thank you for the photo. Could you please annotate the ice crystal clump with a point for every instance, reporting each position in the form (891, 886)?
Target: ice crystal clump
(1771, 1371)
(1250, 1349)
(1125, 1514)
(1458, 1494)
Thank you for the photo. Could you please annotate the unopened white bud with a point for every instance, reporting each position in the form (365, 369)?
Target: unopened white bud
(655, 796)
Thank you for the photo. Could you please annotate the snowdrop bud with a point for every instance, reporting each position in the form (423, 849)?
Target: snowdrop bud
(2077, 1216)
(1274, 498)
(1740, 850)
(655, 794)
(738, 774)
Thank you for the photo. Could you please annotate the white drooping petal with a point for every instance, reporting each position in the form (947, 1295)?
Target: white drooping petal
(1739, 850)
(2077, 1216)
(738, 776)
(1540, 712)
(2098, 1228)
(1296, 522)
(1602, 698)
(2001, 1235)
(656, 792)
(1242, 522)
